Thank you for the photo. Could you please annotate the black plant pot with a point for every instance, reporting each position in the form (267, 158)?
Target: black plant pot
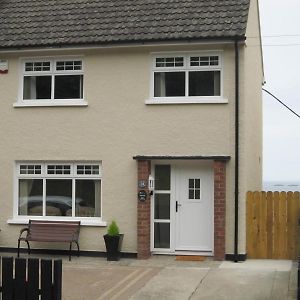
(113, 246)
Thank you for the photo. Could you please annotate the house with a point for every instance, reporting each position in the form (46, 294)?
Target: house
(146, 112)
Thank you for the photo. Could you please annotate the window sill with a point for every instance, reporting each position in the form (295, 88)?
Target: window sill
(39, 103)
(187, 100)
(97, 222)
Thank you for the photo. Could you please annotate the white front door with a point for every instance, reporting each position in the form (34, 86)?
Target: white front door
(194, 208)
(182, 207)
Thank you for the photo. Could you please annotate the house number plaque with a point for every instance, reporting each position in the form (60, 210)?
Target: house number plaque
(142, 195)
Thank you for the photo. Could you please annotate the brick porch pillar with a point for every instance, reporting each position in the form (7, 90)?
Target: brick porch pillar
(143, 213)
(219, 209)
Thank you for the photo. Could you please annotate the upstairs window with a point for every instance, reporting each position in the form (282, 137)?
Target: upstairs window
(52, 79)
(186, 78)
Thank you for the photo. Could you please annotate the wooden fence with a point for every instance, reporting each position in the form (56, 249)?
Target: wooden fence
(298, 281)
(272, 225)
(31, 279)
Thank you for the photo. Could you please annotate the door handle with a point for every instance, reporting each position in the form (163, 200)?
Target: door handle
(177, 205)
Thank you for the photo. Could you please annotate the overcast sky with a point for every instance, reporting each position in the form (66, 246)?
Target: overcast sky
(281, 153)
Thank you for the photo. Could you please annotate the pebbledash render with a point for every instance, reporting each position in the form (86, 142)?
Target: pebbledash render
(144, 112)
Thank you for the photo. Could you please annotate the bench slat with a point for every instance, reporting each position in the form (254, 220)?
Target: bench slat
(51, 231)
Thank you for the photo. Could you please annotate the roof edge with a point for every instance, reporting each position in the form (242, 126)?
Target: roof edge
(128, 43)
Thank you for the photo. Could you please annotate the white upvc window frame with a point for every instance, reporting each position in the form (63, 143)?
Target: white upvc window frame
(186, 68)
(171, 220)
(23, 219)
(52, 72)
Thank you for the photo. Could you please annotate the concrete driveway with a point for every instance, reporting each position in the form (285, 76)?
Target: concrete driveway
(163, 278)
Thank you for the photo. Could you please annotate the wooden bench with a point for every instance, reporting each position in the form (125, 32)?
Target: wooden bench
(51, 231)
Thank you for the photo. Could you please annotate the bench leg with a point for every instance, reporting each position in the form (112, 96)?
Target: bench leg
(18, 247)
(70, 253)
(19, 241)
(28, 247)
(78, 251)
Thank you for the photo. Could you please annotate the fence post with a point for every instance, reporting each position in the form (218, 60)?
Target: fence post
(7, 278)
(33, 279)
(20, 279)
(57, 279)
(46, 279)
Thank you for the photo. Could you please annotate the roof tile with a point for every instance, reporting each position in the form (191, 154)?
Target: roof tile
(34, 23)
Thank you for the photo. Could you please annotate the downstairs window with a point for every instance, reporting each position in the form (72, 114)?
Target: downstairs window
(59, 190)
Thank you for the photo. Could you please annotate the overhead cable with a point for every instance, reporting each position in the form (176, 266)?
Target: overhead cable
(281, 102)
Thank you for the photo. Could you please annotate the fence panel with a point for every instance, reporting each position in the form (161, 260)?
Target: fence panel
(27, 280)
(270, 215)
(292, 224)
(272, 225)
(250, 229)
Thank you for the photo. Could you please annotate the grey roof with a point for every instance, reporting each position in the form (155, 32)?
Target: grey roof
(39, 23)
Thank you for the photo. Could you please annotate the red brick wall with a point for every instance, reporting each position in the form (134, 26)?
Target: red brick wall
(143, 213)
(219, 209)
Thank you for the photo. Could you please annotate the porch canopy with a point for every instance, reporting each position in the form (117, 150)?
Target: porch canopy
(183, 157)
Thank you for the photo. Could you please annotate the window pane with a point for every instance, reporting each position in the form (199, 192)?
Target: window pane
(68, 87)
(37, 87)
(69, 65)
(162, 206)
(31, 197)
(59, 169)
(162, 177)
(205, 83)
(161, 235)
(197, 194)
(194, 188)
(88, 198)
(214, 60)
(37, 66)
(58, 197)
(88, 170)
(169, 62)
(169, 84)
(30, 169)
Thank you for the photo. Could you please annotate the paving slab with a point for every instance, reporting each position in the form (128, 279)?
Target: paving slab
(258, 264)
(236, 284)
(105, 282)
(172, 284)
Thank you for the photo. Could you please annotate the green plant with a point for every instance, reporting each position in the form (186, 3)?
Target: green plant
(113, 229)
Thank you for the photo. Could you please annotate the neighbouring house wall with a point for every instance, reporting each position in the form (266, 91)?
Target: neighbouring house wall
(251, 81)
(115, 126)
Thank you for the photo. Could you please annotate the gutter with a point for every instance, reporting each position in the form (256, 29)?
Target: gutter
(121, 44)
(236, 179)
